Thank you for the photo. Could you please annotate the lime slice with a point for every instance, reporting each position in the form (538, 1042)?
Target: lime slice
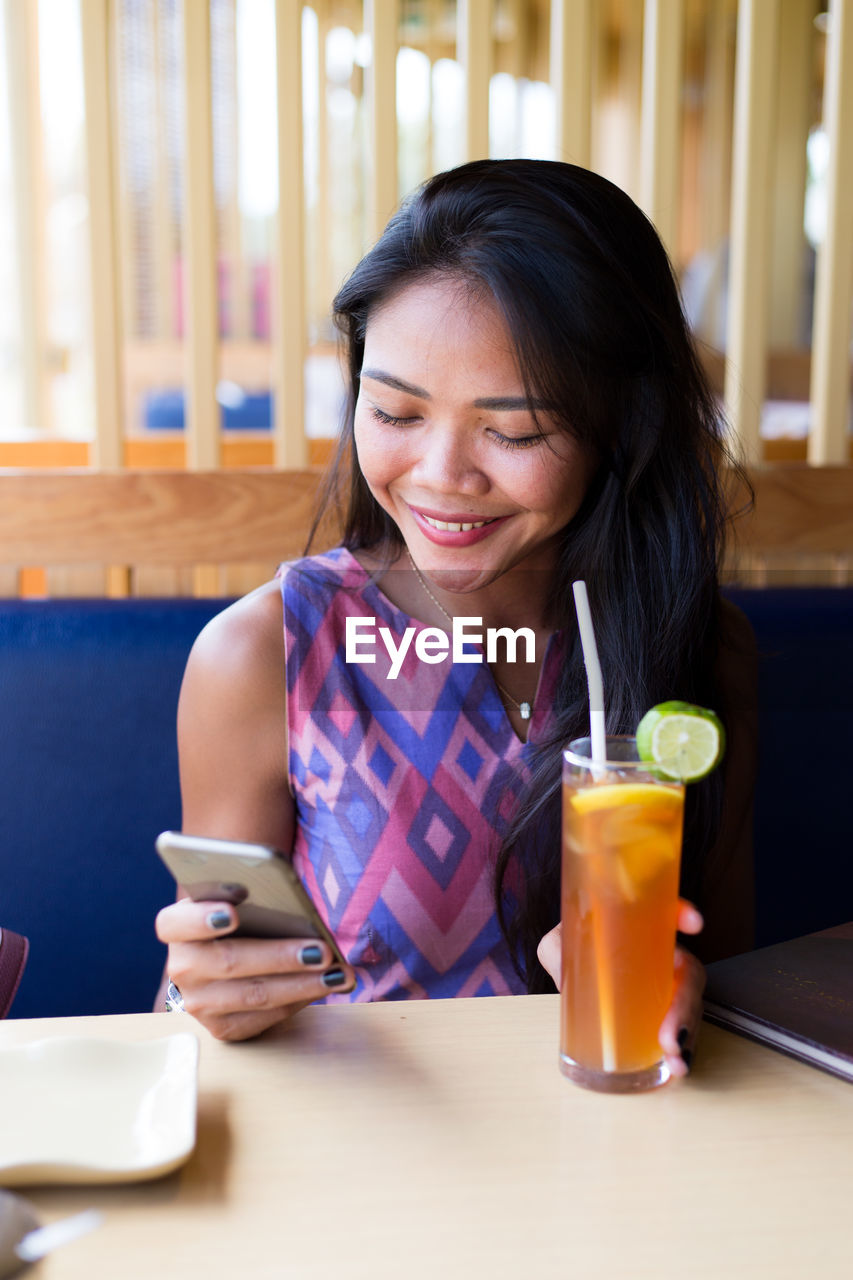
(684, 741)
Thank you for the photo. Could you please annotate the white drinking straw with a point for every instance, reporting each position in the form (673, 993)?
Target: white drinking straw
(606, 996)
(593, 674)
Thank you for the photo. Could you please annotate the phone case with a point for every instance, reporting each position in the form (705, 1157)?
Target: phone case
(257, 879)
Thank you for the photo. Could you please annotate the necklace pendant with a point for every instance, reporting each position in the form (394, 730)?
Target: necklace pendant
(525, 710)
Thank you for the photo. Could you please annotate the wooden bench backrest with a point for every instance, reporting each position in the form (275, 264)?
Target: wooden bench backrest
(799, 531)
(154, 532)
(224, 532)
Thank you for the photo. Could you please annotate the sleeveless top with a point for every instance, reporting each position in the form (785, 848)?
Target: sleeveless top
(403, 789)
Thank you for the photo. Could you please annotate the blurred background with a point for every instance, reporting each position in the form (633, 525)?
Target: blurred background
(185, 183)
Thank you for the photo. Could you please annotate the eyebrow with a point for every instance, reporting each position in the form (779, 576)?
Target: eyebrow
(397, 383)
(485, 402)
(508, 402)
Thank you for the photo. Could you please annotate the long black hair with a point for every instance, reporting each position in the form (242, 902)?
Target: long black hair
(589, 299)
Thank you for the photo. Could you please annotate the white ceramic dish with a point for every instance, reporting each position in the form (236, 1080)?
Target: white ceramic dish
(79, 1110)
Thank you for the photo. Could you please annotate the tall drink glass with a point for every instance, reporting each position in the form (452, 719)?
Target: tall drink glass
(622, 826)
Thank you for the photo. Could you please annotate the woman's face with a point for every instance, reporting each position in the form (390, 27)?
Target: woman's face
(448, 445)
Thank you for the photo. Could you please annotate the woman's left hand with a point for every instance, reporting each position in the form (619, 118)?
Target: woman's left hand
(680, 1027)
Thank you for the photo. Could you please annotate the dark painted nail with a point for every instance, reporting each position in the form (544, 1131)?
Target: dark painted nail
(682, 1037)
(311, 954)
(334, 978)
(219, 919)
(687, 1057)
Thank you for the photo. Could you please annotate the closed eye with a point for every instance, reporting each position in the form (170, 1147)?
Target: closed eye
(516, 442)
(506, 442)
(388, 418)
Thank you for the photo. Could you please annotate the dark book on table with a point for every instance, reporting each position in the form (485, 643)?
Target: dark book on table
(796, 996)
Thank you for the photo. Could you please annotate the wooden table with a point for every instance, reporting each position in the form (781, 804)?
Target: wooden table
(438, 1139)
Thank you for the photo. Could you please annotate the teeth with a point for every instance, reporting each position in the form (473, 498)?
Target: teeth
(452, 527)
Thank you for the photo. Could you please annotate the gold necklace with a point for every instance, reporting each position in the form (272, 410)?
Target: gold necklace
(525, 709)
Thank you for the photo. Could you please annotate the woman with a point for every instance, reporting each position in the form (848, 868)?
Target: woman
(525, 408)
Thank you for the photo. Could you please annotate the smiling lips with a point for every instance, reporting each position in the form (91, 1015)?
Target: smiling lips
(455, 530)
(454, 526)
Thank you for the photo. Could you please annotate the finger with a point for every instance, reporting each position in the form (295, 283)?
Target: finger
(550, 953)
(188, 921)
(269, 995)
(225, 958)
(243, 1026)
(690, 919)
(679, 1029)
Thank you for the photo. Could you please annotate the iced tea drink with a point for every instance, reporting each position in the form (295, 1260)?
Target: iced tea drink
(622, 827)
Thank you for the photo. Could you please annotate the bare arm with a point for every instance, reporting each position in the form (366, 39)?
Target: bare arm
(232, 746)
(232, 726)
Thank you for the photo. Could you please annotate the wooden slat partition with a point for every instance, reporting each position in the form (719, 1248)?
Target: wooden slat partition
(716, 157)
(27, 163)
(582, 97)
(380, 21)
(233, 247)
(793, 114)
(660, 133)
(830, 384)
(201, 307)
(125, 231)
(571, 67)
(747, 317)
(474, 44)
(321, 225)
(103, 235)
(155, 521)
(290, 294)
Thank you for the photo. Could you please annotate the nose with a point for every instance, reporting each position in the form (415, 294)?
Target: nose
(447, 462)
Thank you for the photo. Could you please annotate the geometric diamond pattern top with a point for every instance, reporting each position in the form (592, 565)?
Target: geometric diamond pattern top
(403, 790)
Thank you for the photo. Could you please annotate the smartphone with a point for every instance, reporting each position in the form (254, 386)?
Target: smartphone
(259, 881)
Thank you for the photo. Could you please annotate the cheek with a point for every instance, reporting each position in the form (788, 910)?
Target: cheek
(564, 487)
(377, 458)
(382, 456)
(366, 450)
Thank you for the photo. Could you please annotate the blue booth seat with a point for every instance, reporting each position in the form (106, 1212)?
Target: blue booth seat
(803, 847)
(89, 776)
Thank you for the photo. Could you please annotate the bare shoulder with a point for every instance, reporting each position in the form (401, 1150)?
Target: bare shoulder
(245, 642)
(232, 724)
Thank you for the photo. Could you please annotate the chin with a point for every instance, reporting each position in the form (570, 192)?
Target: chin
(461, 581)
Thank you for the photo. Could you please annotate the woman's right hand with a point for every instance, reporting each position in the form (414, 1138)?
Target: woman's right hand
(239, 987)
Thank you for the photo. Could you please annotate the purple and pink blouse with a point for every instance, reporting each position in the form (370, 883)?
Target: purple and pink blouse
(403, 789)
